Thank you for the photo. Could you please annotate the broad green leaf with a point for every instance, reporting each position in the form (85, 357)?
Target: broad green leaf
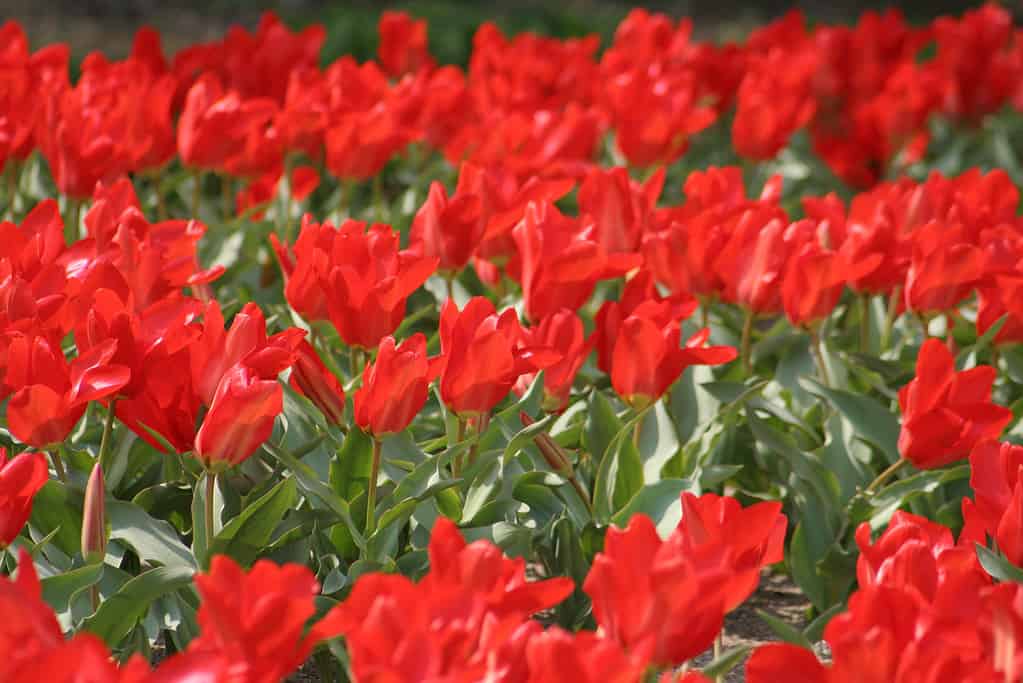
(60, 590)
(120, 612)
(998, 566)
(602, 424)
(660, 501)
(57, 506)
(785, 631)
(873, 423)
(153, 540)
(245, 536)
(726, 661)
(310, 484)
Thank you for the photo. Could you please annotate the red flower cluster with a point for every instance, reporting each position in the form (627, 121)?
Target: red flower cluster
(925, 611)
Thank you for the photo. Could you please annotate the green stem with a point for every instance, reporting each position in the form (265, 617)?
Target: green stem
(72, 229)
(456, 465)
(889, 319)
(887, 474)
(817, 349)
(108, 428)
(196, 193)
(450, 281)
(637, 431)
(58, 466)
(864, 323)
(481, 429)
(718, 642)
(226, 197)
(289, 200)
(371, 489)
(211, 489)
(378, 198)
(747, 338)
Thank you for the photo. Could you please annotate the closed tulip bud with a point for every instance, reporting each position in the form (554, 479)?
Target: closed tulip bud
(311, 378)
(94, 518)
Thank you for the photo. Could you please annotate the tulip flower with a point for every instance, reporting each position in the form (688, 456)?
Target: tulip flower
(774, 101)
(563, 332)
(357, 277)
(814, 280)
(215, 351)
(946, 413)
(241, 416)
(447, 229)
(311, 378)
(556, 655)
(752, 537)
(561, 261)
(94, 518)
(257, 619)
(944, 269)
(51, 394)
(360, 144)
(395, 387)
(648, 356)
(403, 47)
(621, 208)
(20, 478)
(653, 599)
(484, 355)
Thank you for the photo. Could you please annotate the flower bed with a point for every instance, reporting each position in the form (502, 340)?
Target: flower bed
(523, 372)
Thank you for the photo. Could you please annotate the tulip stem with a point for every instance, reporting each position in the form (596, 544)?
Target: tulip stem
(481, 428)
(637, 430)
(371, 488)
(94, 597)
(717, 652)
(108, 428)
(450, 281)
(196, 193)
(817, 349)
(378, 198)
(886, 475)
(889, 319)
(72, 230)
(211, 489)
(747, 337)
(289, 198)
(58, 465)
(456, 465)
(864, 323)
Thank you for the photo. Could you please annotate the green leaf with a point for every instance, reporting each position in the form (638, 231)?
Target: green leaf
(872, 422)
(785, 631)
(620, 474)
(726, 661)
(58, 507)
(245, 536)
(154, 540)
(309, 483)
(815, 631)
(998, 566)
(885, 502)
(658, 442)
(120, 612)
(59, 590)
(802, 566)
(660, 502)
(525, 436)
(602, 424)
(201, 544)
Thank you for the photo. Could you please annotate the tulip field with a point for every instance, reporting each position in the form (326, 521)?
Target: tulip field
(525, 371)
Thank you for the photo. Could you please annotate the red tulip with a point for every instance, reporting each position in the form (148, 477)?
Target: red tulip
(484, 354)
(780, 661)
(621, 208)
(561, 261)
(20, 478)
(215, 352)
(944, 268)
(648, 357)
(814, 280)
(241, 416)
(774, 101)
(946, 413)
(51, 393)
(357, 277)
(563, 332)
(447, 229)
(657, 602)
(257, 619)
(215, 124)
(395, 387)
(403, 47)
(556, 655)
(311, 378)
(360, 144)
(752, 538)
(640, 290)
